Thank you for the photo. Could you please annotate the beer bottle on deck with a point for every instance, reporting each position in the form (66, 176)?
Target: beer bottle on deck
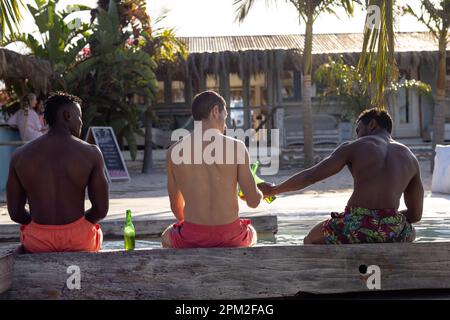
(129, 232)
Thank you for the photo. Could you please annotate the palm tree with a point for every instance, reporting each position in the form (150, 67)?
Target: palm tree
(378, 50)
(9, 15)
(436, 17)
(308, 11)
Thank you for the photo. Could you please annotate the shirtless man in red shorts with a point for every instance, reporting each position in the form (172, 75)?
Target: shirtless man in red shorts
(203, 193)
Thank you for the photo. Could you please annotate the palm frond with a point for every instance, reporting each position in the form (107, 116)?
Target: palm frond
(378, 51)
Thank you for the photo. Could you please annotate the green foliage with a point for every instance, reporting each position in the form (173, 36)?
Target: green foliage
(110, 63)
(345, 83)
(376, 62)
(435, 15)
(112, 78)
(9, 15)
(60, 38)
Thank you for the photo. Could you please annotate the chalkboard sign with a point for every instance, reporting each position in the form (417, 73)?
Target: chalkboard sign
(105, 139)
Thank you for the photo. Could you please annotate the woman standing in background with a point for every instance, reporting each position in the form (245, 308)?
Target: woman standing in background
(27, 119)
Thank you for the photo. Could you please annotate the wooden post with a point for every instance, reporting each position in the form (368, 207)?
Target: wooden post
(6, 271)
(202, 82)
(246, 100)
(148, 144)
(224, 89)
(168, 89)
(188, 92)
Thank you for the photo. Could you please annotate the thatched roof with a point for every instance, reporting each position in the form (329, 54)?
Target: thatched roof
(254, 54)
(322, 43)
(15, 66)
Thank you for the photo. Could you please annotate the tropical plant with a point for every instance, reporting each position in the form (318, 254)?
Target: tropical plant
(435, 15)
(114, 96)
(160, 44)
(60, 38)
(308, 11)
(345, 83)
(9, 16)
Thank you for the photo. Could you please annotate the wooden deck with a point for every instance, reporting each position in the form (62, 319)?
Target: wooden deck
(230, 273)
(144, 227)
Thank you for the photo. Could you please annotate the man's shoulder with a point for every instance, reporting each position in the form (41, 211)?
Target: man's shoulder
(30, 146)
(87, 149)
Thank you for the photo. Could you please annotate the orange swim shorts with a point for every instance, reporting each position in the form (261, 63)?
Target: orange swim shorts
(80, 235)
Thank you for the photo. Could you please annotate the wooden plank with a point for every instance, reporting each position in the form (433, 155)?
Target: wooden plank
(232, 273)
(6, 271)
(12, 143)
(144, 227)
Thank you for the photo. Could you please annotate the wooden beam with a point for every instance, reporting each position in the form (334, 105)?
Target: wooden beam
(188, 91)
(168, 89)
(202, 82)
(246, 100)
(6, 271)
(224, 90)
(144, 227)
(232, 273)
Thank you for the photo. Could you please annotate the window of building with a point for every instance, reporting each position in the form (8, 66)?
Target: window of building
(160, 94)
(291, 85)
(178, 92)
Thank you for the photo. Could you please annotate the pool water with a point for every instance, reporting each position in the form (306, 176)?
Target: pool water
(293, 231)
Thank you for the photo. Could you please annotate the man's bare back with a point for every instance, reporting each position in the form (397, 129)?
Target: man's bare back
(54, 172)
(210, 190)
(382, 169)
(204, 169)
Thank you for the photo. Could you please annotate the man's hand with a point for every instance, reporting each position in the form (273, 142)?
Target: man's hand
(267, 189)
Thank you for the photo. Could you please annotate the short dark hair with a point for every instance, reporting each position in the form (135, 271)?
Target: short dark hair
(382, 118)
(204, 102)
(55, 101)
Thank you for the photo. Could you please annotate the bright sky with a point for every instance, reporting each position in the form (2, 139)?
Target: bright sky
(217, 17)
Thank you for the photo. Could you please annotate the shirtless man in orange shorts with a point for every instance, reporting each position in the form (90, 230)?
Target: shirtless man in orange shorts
(203, 193)
(52, 173)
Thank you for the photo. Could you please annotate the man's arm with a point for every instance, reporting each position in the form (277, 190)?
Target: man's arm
(98, 190)
(16, 196)
(413, 196)
(246, 181)
(175, 195)
(324, 169)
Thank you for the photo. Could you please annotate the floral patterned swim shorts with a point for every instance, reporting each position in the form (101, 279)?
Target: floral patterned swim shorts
(360, 225)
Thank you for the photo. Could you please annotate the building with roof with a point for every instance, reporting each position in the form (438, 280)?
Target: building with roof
(260, 78)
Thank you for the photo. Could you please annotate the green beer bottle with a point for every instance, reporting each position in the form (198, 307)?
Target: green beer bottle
(258, 180)
(129, 233)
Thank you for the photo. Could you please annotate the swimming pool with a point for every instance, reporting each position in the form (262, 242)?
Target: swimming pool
(292, 231)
